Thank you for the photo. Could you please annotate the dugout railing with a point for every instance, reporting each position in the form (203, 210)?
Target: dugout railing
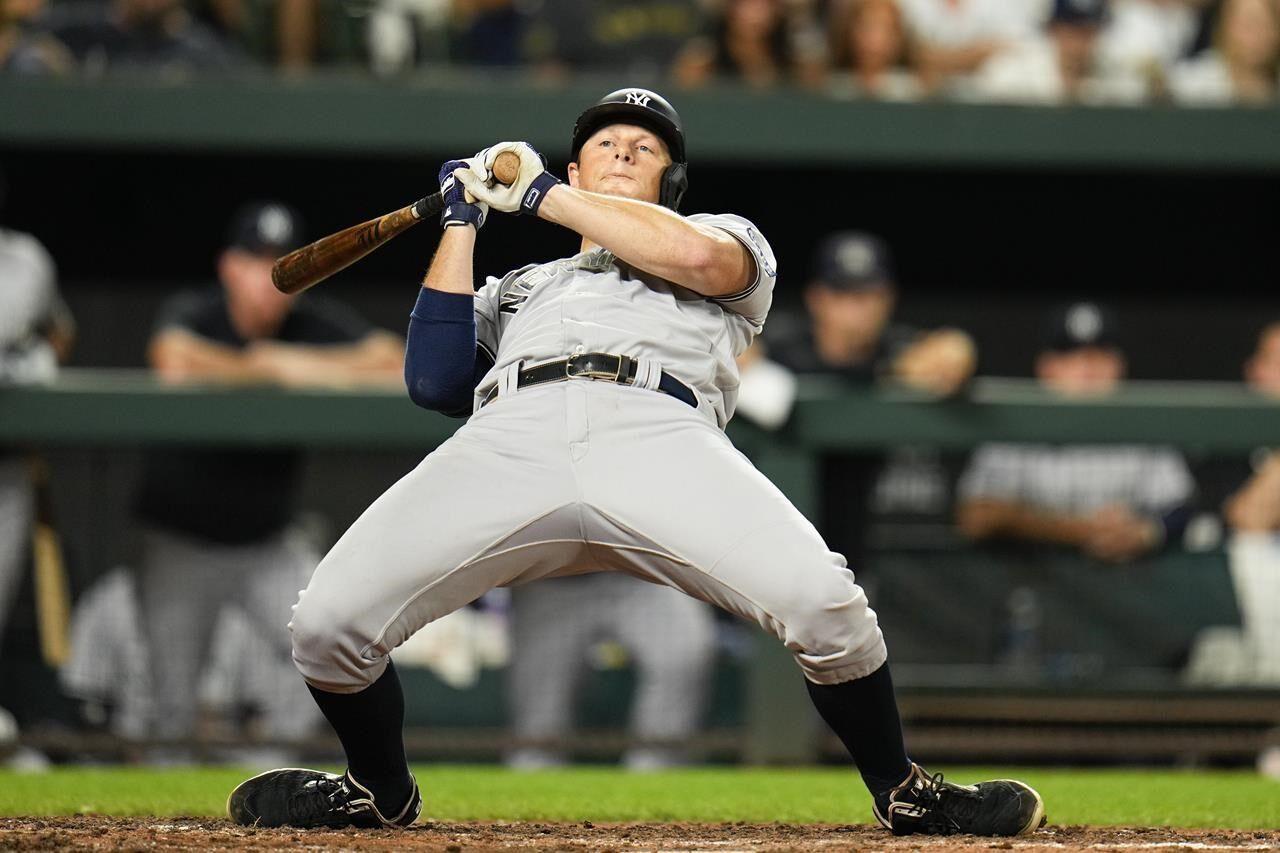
(956, 716)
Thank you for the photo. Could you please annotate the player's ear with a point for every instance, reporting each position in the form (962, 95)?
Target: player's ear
(573, 175)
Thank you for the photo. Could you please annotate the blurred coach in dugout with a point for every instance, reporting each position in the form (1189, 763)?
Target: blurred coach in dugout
(1112, 502)
(848, 334)
(217, 521)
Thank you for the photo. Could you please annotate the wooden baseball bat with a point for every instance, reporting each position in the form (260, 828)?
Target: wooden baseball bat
(52, 592)
(313, 263)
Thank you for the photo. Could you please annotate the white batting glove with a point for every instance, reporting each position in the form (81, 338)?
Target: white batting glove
(525, 195)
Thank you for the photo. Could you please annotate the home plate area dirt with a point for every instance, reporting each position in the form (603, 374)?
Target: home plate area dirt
(104, 833)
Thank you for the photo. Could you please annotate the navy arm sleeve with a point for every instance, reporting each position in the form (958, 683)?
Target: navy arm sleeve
(442, 362)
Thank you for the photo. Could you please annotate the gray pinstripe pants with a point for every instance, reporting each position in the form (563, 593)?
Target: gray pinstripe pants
(669, 637)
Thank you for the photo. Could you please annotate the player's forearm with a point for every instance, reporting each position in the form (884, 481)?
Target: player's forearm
(179, 356)
(451, 268)
(652, 238)
(1256, 507)
(989, 519)
(379, 356)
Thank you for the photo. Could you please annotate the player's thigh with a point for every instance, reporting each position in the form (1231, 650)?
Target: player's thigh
(694, 513)
(463, 522)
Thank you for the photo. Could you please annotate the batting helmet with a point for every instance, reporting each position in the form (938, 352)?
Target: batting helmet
(648, 110)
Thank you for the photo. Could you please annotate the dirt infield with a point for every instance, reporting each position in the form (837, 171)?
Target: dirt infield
(100, 833)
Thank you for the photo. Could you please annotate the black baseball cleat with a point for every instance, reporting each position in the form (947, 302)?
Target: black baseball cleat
(928, 805)
(309, 798)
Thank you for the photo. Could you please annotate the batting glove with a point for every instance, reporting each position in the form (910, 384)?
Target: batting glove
(525, 195)
(457, 210)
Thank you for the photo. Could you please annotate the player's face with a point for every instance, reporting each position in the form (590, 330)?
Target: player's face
(858, 317)
(623, 160)
(257, 308)
(1263, 369)
(1081, 372)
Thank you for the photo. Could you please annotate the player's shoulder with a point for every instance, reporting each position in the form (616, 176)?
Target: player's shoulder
(731, 221)
(24, 246)
(198, 310)
(746, 231)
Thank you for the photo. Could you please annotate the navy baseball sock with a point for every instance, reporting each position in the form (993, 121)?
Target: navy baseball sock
(370, 725)
(864, 715)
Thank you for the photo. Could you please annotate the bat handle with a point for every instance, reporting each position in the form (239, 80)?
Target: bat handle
(429, 206)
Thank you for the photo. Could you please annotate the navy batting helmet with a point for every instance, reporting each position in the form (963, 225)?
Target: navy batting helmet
(648, 110)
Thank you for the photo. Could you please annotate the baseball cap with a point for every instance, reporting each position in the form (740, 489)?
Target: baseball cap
(1080, 324)
(265, 228)
(853, 260)
(1078, 12)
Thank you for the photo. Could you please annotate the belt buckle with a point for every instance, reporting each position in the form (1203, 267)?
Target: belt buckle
(571, 368)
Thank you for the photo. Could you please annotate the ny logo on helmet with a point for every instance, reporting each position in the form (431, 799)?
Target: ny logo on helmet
(638, 97)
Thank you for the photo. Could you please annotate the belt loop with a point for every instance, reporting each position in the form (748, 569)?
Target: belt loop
(624, 367)
(509, 378)
(648, 372)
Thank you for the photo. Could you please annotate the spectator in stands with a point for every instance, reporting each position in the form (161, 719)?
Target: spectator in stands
(1059, 66)
(956, 37)
(757, 42)
(25, 49)
(489, 32)
(139, 35)
(285, 33)
(633, 39)
(1242, 65)
(871, 52)
(848, 334)
(219, 523)
(36, 332)
(1145, 38)
(1111, 502)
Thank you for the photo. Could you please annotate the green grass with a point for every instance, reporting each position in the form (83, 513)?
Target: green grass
(459, 793)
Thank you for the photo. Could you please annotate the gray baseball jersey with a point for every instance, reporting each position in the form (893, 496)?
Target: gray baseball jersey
(594, 302)
(581, 476)
(28, 301)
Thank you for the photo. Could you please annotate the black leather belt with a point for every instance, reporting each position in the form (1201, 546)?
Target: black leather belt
(596, 365)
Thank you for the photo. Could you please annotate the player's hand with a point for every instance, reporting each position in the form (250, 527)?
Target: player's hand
(457, 210)
(1117, 534)
(940, 363)
(525, 194)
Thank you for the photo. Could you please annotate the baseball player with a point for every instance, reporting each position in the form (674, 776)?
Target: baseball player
(599, 387)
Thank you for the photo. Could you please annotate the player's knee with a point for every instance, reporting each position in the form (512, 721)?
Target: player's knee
(327, 650)
(834, 632)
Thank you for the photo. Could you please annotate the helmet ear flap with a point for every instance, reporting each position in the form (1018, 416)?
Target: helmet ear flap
(675, 181)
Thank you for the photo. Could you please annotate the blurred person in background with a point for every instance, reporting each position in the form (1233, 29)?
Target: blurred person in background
(25, 48)
(556, 625)
(285, 33)
(871, 52)
(489, 33)
(758, 42)
(955, 37)
(218, 524)
(139, 35)
(636, 39)
(1145, 38)
(1243, 64)
(36, 333)
(848, 334)
(1059, 66)
(1252, 514)
(1111, 502)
